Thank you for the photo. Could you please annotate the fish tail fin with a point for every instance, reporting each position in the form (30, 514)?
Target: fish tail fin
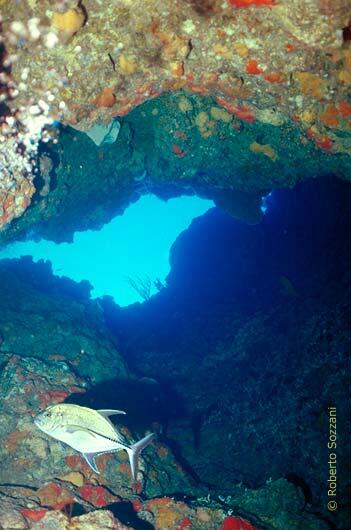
(134, 452)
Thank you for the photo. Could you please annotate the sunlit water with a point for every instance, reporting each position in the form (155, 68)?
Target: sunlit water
(131, 248)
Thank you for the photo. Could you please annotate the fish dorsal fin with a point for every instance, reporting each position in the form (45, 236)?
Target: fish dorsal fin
(90, 460)
(106, 413)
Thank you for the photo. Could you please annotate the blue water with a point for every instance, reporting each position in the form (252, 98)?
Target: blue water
(134, 246)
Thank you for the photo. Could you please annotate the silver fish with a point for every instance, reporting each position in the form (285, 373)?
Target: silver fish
(89, 431)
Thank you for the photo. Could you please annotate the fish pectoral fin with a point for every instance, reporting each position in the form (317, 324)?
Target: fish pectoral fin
(90, 460)
(110, 412)
(78, 428)
(75, 428)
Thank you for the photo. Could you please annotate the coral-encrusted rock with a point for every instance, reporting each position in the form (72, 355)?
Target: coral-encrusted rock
(136, 52)
(317, 23)
(11, 519)
(27, 386)
(283, 63)
(101, 520)
(181, 143)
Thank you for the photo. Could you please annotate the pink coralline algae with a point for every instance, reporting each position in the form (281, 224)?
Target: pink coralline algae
(252, 3)
(236, 523)
(34, 515)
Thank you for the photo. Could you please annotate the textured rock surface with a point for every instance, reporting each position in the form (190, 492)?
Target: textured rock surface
(281, 68)
(49, 319)
(126, 52)
(91, 521)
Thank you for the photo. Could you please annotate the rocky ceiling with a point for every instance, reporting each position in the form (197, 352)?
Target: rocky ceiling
(224, 98)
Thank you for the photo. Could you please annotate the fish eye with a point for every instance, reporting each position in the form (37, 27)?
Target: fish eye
(48, 414)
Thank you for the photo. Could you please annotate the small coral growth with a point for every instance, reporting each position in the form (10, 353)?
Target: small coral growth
(252, 3)
(236, 523)
(96, 495)
(33, 515)
(252, 67)
(68, 23)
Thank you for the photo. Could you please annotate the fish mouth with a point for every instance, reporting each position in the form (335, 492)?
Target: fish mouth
(37, 420)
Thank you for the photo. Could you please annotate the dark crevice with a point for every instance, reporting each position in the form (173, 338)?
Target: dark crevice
(125, 513)
(346, 33)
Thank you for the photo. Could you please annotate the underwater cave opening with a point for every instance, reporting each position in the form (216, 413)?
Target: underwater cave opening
(240, 344)
(246, 345)
(128, 259)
